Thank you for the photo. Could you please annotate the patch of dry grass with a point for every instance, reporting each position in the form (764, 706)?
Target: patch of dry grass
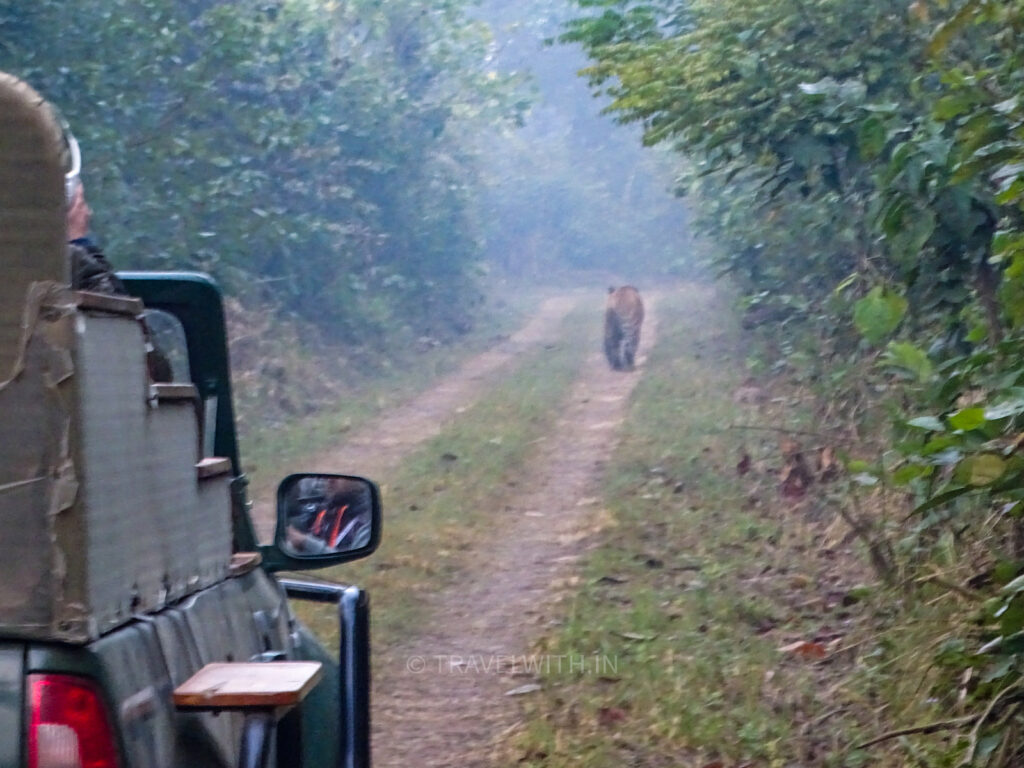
(297, 392)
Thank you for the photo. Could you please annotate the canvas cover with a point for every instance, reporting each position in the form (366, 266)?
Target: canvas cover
(102, 512)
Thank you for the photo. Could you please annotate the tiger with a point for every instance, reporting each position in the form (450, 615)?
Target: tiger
(622, 320)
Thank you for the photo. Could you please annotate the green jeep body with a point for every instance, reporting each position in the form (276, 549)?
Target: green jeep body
(135, 657)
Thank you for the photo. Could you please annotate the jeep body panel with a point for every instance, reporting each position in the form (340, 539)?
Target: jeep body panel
(12, 682)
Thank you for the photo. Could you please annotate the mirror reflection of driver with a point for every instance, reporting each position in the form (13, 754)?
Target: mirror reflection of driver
(328, 515)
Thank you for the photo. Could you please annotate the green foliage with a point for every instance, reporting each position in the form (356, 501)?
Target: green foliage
(306, 152)
(878, 314)
(860, 168)
(905, 357)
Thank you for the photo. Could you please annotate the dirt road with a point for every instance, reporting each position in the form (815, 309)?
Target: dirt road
(442, 697)
(378, 447)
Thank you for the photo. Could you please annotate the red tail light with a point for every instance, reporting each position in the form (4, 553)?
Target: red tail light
(68, 725)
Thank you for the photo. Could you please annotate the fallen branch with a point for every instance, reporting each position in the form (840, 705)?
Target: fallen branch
(977, 720)
(941, 725)
(952, 586)
(976, 731)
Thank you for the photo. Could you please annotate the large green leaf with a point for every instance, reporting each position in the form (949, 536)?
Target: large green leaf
(930, 423)
(878, 314)
(871, 137)
(905, 356)
(967, 419)
(981, 470)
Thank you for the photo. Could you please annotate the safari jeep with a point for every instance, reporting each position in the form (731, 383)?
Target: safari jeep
(141, 623)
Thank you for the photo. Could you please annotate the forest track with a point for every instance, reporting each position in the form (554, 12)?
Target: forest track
(440, 697)
(378, 447)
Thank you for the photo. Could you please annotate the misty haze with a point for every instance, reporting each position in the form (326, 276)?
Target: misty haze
(681, 341)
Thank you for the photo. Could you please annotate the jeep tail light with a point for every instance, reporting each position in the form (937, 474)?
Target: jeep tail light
(68, 725)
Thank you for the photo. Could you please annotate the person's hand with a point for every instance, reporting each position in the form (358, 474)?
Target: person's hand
(78, 215)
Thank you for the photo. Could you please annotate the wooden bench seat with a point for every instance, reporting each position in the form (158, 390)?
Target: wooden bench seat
(171, 392)
(241, 686)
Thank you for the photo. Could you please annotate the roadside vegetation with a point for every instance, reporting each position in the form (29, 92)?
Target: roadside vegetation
(296, 398)
(730, 616)
(448, 496)
(857, 168)
(357, 173)
(310, 155)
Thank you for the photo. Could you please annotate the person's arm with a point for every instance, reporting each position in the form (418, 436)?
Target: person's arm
(305, 542)
(90, 270)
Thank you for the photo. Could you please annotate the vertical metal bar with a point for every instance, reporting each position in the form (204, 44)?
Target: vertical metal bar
(256, 740)
(354, 655)
(353, 664)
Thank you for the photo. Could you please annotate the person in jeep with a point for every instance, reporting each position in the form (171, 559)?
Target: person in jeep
(328, 515)
(90, 270)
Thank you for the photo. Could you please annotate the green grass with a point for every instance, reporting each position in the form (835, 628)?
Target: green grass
(694, 589)
(271, 451)
(436, 509)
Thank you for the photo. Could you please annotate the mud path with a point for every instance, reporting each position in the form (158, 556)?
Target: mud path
(378, 447)
(441, 698)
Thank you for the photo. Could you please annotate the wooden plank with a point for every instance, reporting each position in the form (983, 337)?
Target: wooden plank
(213, 466)
(168, 392)
(243, 562)
(246, 685)
(103, 302)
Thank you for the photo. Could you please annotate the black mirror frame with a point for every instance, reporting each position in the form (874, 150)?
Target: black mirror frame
(276, 559)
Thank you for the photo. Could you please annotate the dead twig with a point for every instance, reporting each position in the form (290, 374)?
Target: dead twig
(941, 725)
(880, 551)
(936, 578)
(976, 731)
(822, 718)
(1005, 697)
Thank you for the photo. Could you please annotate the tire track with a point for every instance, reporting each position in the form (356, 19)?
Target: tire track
(378, 447)
(440, 698)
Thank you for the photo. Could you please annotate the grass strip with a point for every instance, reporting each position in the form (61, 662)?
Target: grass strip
(686, 601)
(449, 495)
(272, 451)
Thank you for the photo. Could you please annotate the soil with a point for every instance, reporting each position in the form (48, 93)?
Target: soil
(376, 448)
(446, 696)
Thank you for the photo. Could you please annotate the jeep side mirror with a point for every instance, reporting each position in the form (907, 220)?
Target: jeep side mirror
(325, 520)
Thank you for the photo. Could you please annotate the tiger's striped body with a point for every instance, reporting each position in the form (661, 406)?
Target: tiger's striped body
(622, 320)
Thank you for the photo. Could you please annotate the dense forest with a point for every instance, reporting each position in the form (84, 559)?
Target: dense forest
(356, 165)
(310, 155)
(860, 170)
